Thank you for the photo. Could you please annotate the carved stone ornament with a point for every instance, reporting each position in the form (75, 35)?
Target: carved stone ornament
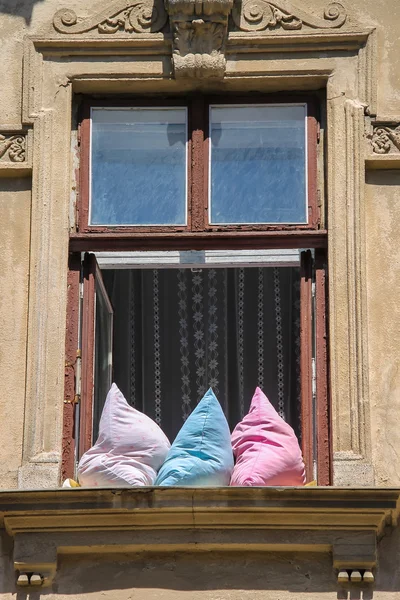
(256, 15)
(199, 30)
(12, 148)
(199, 27)
(386, 139)
(142, 16)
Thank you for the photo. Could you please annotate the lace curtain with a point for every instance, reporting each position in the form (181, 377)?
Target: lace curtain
(179, 331)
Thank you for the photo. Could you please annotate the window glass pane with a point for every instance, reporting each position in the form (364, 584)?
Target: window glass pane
(178, 332)
(258, 164)
(138, 166)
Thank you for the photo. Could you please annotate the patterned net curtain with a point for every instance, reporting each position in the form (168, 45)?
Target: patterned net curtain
(178, 332)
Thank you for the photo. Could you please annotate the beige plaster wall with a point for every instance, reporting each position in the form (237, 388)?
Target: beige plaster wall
(15, 203)
(383, 275)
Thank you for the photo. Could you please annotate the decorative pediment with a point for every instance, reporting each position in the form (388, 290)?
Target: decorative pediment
(258, 15)
(143, 16)
(199, 28)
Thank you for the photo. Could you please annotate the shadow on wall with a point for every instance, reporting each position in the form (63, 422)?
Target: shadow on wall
(210, 576)
(19, 8)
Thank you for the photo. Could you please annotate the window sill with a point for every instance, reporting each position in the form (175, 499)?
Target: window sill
(345, 522)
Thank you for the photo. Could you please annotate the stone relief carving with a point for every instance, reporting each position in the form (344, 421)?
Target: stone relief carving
(143, 16)
(12, 148)
(199, 33)
(385, 139)
(199, 27)
(256, 15)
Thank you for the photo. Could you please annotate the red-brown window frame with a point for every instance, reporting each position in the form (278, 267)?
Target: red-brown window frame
(197, 235)
(197, 162)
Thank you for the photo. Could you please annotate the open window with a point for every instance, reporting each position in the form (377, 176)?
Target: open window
(97, 322)
(205, 263)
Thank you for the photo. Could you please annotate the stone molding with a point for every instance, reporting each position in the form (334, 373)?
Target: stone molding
(15, 154)
(57, 65)
(12, 148)
(141, 16)
(258, 15)
(351, 417)
(145, 16)
(199, 29)
(345, 523)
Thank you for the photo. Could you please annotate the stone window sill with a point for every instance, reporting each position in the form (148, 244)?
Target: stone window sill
(345, 522)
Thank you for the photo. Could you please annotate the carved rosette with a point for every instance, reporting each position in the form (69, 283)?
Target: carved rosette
(12, 148)
(385, 139)
(199, 31)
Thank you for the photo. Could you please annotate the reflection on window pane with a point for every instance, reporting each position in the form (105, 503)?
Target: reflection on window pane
(258, 164)
(138, 170)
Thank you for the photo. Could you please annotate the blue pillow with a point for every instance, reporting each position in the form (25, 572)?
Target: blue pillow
(201, 454)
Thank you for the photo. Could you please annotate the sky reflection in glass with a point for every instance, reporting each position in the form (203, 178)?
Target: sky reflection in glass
(138, 166)
(258, 164)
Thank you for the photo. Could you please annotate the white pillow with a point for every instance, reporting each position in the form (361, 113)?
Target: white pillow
(130, 448)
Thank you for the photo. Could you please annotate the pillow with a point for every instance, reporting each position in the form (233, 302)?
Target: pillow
(266, 448)
(201, 454)
(130, 448)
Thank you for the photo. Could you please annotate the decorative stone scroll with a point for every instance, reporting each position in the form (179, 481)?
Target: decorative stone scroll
(256, 15)
(199, 27)
(12, 148)
(143, 16)
(385, 139)
(199, 31)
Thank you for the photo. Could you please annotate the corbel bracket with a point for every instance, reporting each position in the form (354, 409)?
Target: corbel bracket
(199, 31)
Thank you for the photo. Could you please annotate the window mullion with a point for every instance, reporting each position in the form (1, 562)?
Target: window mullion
(198, 164)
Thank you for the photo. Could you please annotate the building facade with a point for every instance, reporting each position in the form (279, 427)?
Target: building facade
(338, 539)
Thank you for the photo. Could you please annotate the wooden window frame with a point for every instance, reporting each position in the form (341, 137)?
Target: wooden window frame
(197, 164)
(197, 235)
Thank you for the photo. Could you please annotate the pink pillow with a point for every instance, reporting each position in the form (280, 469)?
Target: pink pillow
(266, 448)
(130, 448)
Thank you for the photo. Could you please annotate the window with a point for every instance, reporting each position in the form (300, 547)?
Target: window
(204, 264)
(199, 166)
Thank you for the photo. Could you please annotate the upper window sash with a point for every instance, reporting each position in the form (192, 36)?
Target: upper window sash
(138, 166)
(258, 164)
(198, 165)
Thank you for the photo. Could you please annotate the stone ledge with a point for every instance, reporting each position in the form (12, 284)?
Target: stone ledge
(344, 522)
(382, 161)
(15, 170)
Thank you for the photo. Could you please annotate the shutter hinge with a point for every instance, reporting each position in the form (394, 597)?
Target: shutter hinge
(318, 131)
(79, 134)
